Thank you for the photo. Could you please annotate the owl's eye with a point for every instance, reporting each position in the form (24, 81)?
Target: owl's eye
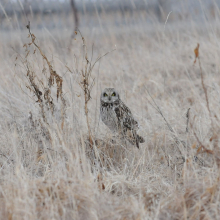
(113, 94)
(105, 94)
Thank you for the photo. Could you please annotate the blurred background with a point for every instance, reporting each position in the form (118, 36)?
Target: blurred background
(64, 14)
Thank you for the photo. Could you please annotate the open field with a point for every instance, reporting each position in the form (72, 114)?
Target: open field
(48, 168)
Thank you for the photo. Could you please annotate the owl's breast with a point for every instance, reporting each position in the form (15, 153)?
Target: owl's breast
(109, 118)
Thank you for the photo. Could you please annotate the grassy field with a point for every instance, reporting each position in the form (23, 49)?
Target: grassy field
(52, 167)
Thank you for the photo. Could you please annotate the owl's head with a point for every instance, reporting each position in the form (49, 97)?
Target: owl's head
(109, 95)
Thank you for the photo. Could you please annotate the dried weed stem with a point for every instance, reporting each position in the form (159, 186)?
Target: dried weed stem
(87, 82)
(50, 82)
(203, 85)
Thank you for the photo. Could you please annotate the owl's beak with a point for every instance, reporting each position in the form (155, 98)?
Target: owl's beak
(109, 98)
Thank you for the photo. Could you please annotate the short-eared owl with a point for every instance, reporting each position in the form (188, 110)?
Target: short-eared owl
(118, 117)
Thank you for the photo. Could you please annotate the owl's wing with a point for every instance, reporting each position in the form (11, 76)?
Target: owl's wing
(124, 115)
(130, 126)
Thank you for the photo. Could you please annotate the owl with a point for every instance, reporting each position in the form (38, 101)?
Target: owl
(118, 117)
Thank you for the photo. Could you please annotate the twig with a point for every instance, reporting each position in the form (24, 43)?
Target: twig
(166, 20)
(187, 119)
(200, 143)
(85, 86)
(76, 21)
(4, 155)
(88, 82)
(157, 108)
(54, 77)
(196, 51)
(159, 111)
(206, 94)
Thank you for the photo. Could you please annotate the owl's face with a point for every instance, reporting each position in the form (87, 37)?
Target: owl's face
(109, 95)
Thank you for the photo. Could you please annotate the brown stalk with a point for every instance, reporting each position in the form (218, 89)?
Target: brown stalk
(187, 120)
(54, 77)
(88, 82)
(85, 85)
(75, 19)
(201, 147)
(196, 51)
(53, 74)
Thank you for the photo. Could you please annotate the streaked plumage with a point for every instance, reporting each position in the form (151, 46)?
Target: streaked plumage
(118, 117)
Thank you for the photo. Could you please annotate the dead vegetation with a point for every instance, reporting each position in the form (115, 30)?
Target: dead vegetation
(58, 161)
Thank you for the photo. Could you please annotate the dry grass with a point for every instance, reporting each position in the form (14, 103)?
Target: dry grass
(48, 169)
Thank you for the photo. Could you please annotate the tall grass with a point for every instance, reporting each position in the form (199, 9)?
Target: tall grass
(54, 166)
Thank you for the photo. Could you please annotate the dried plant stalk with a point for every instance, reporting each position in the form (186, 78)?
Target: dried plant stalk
(87, 82)
(53, 77)
(86, 86)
